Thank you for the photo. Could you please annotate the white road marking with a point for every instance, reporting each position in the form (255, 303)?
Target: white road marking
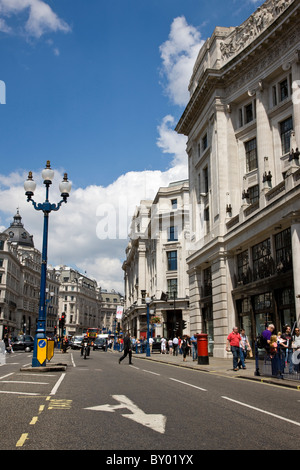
(23, 382)
(20, 393)
(150, 372)
(56, 386)
(157, 422)
(263, 411)
(190, 385)
(4, 376)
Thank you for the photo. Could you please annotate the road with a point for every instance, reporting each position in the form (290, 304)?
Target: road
(99, 404)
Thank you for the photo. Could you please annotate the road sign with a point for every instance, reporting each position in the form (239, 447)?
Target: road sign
(41, 350)
(50, 349)
(156, 422)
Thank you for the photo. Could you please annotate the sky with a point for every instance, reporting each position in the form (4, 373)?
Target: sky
(97, 87)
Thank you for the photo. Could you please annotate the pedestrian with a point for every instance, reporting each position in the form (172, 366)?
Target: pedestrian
(65, 345)
(127, 349)
(179, 345)
(274, 356)
(150, 344)
(194, 346)
(245, 346)
(296, 349)
(185, 346)
(170, 343)
(281, 352)
(287, 335)
(266, 334)
(163, 345)
(233, 344)
(6, 342)
(175, 346)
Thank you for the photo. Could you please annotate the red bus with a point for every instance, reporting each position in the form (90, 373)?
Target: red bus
(93, 332)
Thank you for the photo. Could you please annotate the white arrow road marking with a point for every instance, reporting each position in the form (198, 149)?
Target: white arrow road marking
(156, 422)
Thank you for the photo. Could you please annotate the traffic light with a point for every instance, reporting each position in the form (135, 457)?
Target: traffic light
(177, 325)
(63, 319)
(183, 324)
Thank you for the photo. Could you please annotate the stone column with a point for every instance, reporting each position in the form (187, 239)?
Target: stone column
(295, 233)
(265, 155)
(296, 97)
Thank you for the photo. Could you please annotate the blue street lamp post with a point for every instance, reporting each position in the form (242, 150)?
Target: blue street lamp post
(148, 300)
(46, 207)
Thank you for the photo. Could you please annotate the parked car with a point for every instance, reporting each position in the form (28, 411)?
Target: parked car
(22, 343)
(99, 343)
(156, 345)
(75, 342)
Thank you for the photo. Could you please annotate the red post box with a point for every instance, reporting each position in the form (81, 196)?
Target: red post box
(202, 348)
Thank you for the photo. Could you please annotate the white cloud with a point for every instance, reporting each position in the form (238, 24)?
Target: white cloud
(172, 143)
(41, 18)
(90, 231)
(178, 55)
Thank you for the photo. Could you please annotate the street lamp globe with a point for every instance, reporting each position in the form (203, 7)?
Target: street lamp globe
(48, 173)
(65, 187)
(29, 186)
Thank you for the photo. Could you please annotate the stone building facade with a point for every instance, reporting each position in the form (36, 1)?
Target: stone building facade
(155, 264)
(243, 129)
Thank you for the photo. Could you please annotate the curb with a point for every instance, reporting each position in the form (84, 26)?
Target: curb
(260, 379)
(47, 368)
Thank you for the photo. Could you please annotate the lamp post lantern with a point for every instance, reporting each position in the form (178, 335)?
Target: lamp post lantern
(39, 351)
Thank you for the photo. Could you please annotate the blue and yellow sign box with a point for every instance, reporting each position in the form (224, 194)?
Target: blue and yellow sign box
(41, 350)
(50, 349)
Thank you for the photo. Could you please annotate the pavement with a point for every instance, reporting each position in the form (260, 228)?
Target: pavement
(222, 366)
(217, 366)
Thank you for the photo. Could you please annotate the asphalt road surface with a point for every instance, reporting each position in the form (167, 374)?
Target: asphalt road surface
(99, 404)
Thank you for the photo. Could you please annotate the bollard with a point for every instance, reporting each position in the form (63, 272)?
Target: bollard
(202, 348)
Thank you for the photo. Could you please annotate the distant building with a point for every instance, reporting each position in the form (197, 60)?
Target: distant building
(243, 129)
(67, 290)
(110, 300)
(155, 264)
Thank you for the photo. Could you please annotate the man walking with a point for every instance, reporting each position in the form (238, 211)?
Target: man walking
(127, 348)
(175, 346)
(233, 344)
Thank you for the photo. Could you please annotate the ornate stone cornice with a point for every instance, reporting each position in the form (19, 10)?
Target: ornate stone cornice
(274, 42)
(259, 21)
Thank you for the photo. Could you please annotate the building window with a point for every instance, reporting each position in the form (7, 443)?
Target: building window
(253, 194)
(174, 203)
(172, 260)
(251, 155)
(207, 285)
(172, 234)
(283, 248)
(274, 95)
(205, 179)
(172, 288)
(247, 113)
(206, 219)
(262, 260)
(204, 143)
(243, 267)
(284, 89)
(286, 127)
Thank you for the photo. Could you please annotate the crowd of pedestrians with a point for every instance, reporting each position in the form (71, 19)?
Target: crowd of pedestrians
(281, 349)
(177, 346)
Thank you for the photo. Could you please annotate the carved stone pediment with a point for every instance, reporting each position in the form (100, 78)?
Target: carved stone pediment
(243, 35)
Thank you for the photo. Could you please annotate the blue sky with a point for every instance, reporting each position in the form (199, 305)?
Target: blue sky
(97, 87)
